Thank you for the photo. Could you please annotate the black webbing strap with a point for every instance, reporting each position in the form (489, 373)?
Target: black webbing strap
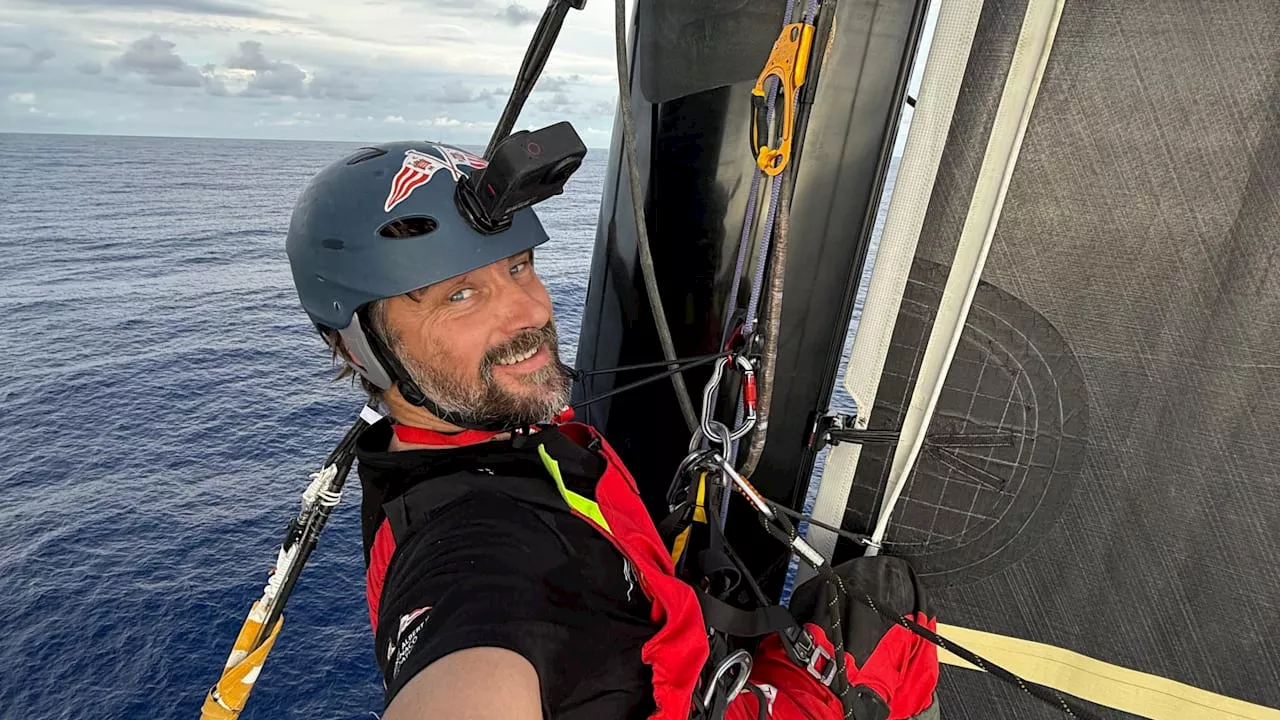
(735, 622)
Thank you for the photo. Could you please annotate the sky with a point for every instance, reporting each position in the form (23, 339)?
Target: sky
(296, 69)
(299, 69)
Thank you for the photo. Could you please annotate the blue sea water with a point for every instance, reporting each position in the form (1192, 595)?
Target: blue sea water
(163, 402)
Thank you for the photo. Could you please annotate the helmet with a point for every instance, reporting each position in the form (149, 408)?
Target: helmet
(383, 222)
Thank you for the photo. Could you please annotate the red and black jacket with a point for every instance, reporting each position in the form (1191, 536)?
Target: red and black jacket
(677, 650)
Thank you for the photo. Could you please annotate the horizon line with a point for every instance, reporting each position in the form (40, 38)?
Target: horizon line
(224, 137)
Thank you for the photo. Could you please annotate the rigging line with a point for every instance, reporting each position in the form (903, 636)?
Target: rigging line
(779, 214)
(637, 208)
(796, 515)
(782, 530)
(669, 372)
(578, 374)
(748, 225)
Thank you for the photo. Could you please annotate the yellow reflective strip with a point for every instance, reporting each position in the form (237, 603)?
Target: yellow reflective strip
(1149, 696)
(576, 501)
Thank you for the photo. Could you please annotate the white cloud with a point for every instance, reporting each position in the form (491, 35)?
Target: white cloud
(23, 98)
(442, 121)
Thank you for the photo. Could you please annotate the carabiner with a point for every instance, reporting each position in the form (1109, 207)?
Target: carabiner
(740, 659)
(748, 396)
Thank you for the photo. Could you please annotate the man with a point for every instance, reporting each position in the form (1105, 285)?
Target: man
(512, 570)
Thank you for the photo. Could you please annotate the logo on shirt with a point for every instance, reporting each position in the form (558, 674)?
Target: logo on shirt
(403, 644)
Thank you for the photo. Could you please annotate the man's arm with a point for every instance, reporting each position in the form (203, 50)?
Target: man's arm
(472, 622)
(475, 684)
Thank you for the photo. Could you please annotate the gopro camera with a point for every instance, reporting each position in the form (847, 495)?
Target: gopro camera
(526, 168)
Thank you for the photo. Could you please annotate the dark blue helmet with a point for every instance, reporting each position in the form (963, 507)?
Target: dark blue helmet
(383, 222)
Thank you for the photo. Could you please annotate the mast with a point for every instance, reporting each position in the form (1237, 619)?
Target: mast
(692, 104)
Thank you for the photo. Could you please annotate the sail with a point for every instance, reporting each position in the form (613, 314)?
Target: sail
(1094, 495)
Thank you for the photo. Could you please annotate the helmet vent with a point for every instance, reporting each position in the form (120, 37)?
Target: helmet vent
(408, 227)
(363, 154)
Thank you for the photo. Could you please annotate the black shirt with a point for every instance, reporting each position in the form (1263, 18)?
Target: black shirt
(497, 560)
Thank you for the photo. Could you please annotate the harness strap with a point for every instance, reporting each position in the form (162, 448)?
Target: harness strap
(735, 622)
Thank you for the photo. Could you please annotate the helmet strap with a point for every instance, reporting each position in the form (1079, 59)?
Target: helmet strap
(409, 389)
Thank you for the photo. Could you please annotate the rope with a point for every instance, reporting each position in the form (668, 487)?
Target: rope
(784, 531)
(637, 206)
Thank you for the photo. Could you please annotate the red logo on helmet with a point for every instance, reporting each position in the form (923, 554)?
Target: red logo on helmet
(419, 168)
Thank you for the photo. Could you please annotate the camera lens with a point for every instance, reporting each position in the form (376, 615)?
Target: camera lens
(560, 172)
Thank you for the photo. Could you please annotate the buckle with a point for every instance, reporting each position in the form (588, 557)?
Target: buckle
(809, 655)
(828, 672)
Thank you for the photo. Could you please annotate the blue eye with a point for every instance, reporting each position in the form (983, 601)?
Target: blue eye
(461, 295)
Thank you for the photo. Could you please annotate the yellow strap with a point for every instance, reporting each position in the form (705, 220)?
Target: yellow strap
(587, 507)
(700, 505)
(1149, 696)
(699, 515)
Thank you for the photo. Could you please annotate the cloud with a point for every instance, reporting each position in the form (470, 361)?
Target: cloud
(189, 7)
(154, 59)
(446, 121)
(23, 58)
(461, 93)
(559, 103)
(334, 87)
(251, 57)
(511, 13)
(212, 82)
(164, 67)
(270, 77)
(519, 15)
(24, 98)
(556, 83)
(285, 79)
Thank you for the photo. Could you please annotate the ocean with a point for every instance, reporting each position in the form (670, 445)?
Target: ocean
(165, 401)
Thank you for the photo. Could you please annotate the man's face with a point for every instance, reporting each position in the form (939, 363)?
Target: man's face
(483, 344)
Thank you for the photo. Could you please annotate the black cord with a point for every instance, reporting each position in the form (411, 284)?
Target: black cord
(580, 374)
(860, 539)
(783, 530)
(653, 378)
(1040, 692)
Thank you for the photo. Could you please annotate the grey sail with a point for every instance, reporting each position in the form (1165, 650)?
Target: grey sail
(1101, 471)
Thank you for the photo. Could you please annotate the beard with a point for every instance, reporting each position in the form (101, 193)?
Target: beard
(480, 399)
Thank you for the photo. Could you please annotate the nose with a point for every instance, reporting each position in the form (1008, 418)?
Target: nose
(524, 306)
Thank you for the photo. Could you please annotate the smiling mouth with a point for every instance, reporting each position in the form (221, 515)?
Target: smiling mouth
(522, 359)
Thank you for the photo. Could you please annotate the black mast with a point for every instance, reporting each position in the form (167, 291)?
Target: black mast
(692, 80)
